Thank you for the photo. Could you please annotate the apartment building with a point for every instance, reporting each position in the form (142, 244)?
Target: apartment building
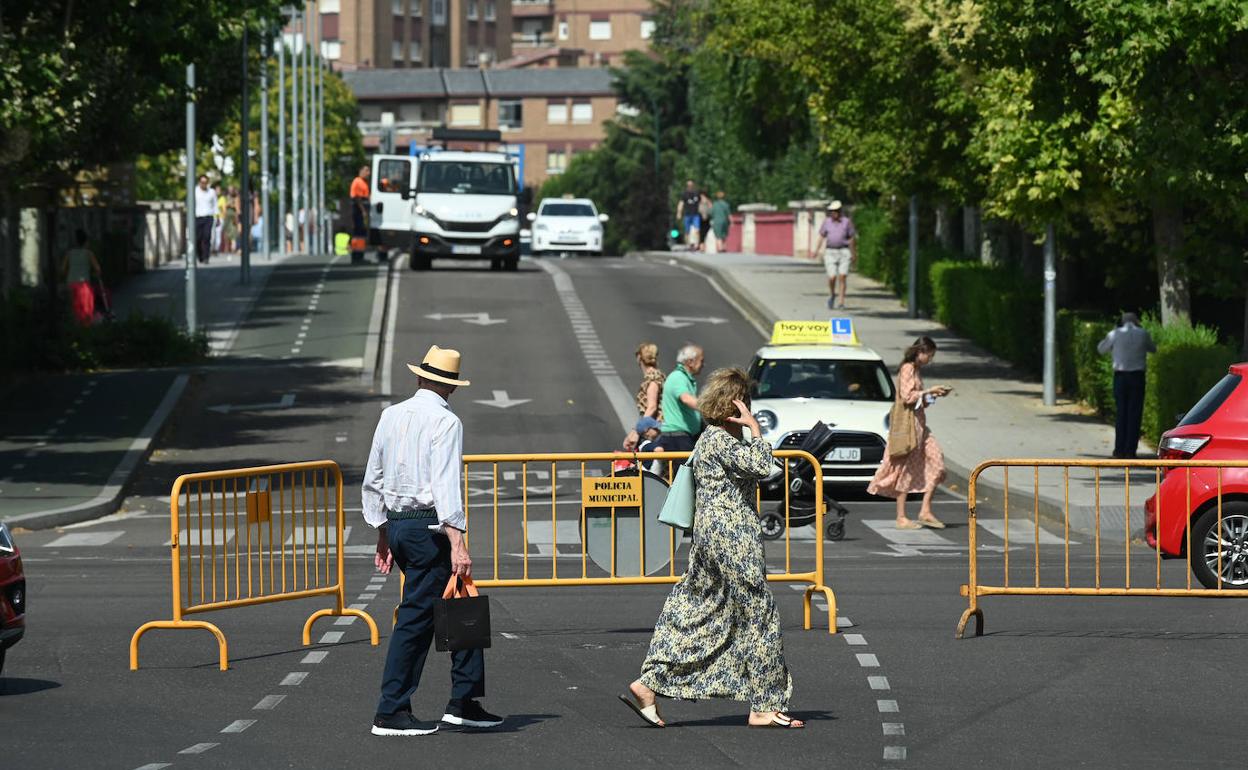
(598, 32)
(391, 34)
(553, 113)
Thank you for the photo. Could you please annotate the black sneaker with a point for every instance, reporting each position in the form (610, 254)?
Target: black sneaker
(468, 713)
(402, 723)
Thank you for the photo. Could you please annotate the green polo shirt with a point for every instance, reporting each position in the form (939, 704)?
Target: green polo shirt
(677, 417)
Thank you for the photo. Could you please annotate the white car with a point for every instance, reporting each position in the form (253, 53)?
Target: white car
(567, 225)
(848, 387)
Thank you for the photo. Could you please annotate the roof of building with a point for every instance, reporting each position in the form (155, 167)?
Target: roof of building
(442, 83)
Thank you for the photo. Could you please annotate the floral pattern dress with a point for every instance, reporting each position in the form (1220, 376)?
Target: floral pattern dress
(718, 635)
(924, 467)
(651, 375)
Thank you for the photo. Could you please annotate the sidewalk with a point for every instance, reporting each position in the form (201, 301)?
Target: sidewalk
(996, 412)
(71, 441)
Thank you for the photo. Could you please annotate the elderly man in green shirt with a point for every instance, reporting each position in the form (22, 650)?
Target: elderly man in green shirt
(681, 420)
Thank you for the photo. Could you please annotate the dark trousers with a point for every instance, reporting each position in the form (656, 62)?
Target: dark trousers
(676, 442)
(1129, 401)
(359, 229)
(203, 238)
(425, 558)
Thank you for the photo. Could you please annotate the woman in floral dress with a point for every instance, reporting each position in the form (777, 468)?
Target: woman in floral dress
(718, 635)
(924, 467)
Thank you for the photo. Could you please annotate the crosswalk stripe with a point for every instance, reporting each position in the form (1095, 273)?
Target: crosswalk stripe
(1021, 532)
(82, 539)
(887, 529)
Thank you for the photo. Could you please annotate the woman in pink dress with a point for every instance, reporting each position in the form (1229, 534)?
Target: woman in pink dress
(924, 467)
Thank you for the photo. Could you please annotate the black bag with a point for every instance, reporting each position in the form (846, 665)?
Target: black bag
(461, 618)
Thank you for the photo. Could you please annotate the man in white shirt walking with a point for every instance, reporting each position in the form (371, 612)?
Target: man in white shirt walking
(205, 210)
(412, 493)
(1130, 345)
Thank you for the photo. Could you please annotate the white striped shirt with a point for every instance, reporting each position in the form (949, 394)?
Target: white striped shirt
(416, 462)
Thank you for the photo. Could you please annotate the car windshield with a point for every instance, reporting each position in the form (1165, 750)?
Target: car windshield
(815, 378)
(467, 177)
(1212, 401)
(567, 210)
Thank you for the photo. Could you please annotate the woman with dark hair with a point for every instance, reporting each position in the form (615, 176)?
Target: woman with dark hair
(923, 467)
(719, 633)
(77, 266)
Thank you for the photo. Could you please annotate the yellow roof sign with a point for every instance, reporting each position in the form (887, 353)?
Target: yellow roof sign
(834, 331)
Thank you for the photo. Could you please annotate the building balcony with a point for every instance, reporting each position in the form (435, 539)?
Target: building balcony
(522, 40)
(528, 9)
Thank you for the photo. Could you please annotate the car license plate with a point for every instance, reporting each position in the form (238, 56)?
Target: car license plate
(845, 454)
(457, 249)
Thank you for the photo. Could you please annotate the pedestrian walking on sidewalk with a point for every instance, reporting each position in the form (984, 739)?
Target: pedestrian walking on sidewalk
(1129, 344)
(923, 467)
(230, 226)
(687, 214)
(77, 267)
(218, 220)
(704, 219)
(205, 212)
(679, 404)
(839, 241)
(718, 635)
(359, 214)
(721, 220)
(412, 494)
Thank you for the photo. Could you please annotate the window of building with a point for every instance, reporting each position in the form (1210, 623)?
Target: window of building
(330, 6)
(470, 56)
(418, 8)
(582, 113)
(465, 114)
(647, 29)
(491, 10)
(472, 10)
(413, 52)
(556, 113)
(439, 13)
(556, 161)
(563, 29)
(511, 114)
(600, 29)
(398, 7)
(396, 51)
(331, 50)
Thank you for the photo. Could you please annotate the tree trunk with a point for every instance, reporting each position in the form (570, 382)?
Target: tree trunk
(970, 231)
(944, 226)
(1172, 282)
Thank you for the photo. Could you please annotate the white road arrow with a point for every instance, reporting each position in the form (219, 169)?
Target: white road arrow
(680, 321)
(288, 400)
(502, 401)
(479, 319)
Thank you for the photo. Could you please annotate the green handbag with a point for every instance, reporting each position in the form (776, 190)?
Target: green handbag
(679, 506)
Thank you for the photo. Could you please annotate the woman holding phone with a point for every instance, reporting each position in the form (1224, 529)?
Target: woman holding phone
(923, 468)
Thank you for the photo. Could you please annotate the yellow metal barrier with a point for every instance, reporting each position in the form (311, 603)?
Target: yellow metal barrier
(1101, 571)
(484, 525)
(253, 536)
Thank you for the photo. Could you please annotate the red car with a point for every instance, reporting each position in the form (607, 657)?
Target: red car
(12, 594)
(1215, 429)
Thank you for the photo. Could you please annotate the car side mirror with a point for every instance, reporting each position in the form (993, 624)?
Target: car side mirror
(603, 217)
(530, 216)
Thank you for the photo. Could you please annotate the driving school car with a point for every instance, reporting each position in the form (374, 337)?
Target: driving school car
(817, 371)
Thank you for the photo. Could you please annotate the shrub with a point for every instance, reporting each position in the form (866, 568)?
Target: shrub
(1187, 363)
(137, 340)
(995, 307)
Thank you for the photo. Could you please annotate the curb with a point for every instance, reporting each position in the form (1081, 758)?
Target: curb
(110, 496)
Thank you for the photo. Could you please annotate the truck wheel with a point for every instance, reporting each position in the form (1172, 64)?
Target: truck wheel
(421, 262)
(1233, 544)
(512, 264)
(496, 264)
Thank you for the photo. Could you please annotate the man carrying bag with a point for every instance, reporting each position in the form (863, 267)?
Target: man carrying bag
(412, 494)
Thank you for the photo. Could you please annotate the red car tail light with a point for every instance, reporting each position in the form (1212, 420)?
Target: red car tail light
(1181, 447)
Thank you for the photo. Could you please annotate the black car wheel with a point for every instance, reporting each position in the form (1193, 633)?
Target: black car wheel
(772, 526)
(1228, 553)
(512, 264)
(421, 262)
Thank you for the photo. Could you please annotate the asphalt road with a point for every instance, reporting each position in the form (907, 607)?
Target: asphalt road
(1056, 682)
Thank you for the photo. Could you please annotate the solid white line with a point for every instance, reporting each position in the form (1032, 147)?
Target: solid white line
(887, 706)
(315, 657)
(855, 639)
(238, 725)
(294, 678)
(392, 318)
(894, 728)
(894, 752)
(331, 637)
(268, 703)
(198, 748)
(375, 319)
(878, 682)
(867, 660)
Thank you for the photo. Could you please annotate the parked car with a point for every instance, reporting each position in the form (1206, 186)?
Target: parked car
(12, 594)
(1185, 506)
(567, 225)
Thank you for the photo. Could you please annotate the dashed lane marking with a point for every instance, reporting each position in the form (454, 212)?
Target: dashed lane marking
(867, 660)
(345, 620)
(199, 748)
(878, 682)
(855, 639)
(154, 766)
(887, 706)
(315, 656)
(894, 728)
(269, 702)
(238, 725)
(331, 637)
(294, 678)
(894, 752)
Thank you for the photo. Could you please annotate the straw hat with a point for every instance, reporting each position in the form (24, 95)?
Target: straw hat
(834, 206)
(440, 365)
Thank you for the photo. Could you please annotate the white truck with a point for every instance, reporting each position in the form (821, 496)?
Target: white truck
(390, 214)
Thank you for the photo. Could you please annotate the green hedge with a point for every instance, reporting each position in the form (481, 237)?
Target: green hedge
(995, 308)
(884, 254)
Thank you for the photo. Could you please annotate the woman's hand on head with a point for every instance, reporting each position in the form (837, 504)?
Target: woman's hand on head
(745, 418)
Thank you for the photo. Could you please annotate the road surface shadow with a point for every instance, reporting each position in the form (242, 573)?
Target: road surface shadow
(21, 686)
(1167, 636)
(512, 723)
(739, 720)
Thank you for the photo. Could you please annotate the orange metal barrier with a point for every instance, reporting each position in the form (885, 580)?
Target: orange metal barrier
(1199, 490)
(253, 536)
(549, 504)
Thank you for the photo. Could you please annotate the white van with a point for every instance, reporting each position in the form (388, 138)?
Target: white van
(465, 205)
(390, 213)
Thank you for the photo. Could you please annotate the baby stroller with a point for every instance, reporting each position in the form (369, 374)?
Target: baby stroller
(818, 442)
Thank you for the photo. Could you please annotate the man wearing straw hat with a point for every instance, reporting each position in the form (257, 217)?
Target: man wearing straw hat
(412, 495)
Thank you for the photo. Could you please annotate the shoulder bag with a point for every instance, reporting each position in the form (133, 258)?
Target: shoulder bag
(681, 500)
(903, 429)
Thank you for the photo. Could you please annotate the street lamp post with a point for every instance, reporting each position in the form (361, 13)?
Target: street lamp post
(1050, 316)
(281, 139)
(265, 221)
(192, 321)
(295, 242)
(244, 193)
(913, 301)
(306, 105)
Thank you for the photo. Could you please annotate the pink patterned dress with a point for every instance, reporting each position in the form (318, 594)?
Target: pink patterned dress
(924, 467)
